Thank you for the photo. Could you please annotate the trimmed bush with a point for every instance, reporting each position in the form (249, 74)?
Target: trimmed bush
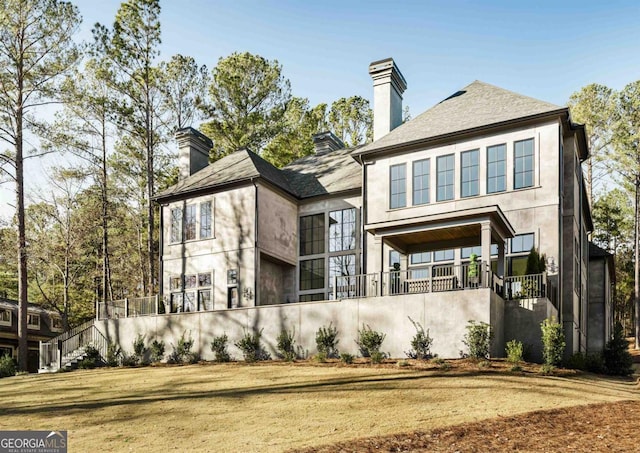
(219, 348)
(7, 366)
(157, 351)
(139, 350)
(369, 341)
(514, 351)
(553, 342)
(251, 348)
(114, 353)
(347, 358)
(182, 351)
(286, 344)
(420, 343)
(327, 341)
(92, 358)
(478, 339)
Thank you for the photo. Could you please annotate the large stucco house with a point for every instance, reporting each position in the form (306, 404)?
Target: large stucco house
(383, 234)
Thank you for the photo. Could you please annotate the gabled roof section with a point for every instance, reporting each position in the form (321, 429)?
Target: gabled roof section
(242, 165)
(476, 106)
(324, 173)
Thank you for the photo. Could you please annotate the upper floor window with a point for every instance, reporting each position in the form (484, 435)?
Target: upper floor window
(443, 255)
(421, 175)
(56, 323)
(176, 225)
(33, 321)
(466, 252)
(5, 317)
(445, 177)
(470, 173)
(496, 168)
(312, 234)
(398, 181)
(421, 258)
(342, 230)
(312, 274)
(205, 220)
(523, 164)
(522, 243)
(190, 223)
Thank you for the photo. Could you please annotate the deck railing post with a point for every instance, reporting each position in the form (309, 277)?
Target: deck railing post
(126, 307)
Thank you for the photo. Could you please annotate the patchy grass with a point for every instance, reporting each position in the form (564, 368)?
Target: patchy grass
(277, 406)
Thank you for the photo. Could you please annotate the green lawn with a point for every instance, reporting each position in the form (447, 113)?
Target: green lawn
(275, 407)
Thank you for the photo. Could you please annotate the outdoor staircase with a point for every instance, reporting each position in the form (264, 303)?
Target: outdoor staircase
(66, 350)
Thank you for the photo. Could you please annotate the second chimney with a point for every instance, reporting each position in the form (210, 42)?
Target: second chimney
(193, 151)
(326, 141)
(388, 86)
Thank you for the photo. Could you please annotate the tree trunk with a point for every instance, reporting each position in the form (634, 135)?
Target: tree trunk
(636, 268)
(23, 302)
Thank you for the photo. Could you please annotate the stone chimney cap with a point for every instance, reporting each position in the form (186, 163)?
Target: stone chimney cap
(381, 70)
(189, 131)
(326, 141)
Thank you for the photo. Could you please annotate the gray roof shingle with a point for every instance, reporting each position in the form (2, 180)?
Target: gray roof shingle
(476, 105)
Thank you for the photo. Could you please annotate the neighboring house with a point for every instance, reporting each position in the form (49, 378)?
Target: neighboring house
(42, 325)
(383, 234)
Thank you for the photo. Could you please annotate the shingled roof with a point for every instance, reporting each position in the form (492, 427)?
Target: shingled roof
(242, 165)
(475, 106)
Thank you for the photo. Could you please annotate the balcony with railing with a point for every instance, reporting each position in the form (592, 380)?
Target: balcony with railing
(127, 308)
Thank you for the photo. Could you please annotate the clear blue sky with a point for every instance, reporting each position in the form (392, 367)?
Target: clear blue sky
(544, 49)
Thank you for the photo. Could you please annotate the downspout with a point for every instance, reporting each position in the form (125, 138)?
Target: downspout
(560, 227)
(256, 251)
(160, 260)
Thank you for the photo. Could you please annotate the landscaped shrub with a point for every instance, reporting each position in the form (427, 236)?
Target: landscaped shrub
(595, 363)
(420, 343)
(327, 341)
(553, 342)
(347, 358)
(369, 341)
(377, 357)
(286, 344)
(91, 359)
(113, 354)
(7, 366)
(139, 350)
(182, 351)
(577, 361)
(478, 339)
(128, 359)
(617, 359)
(219, 348)
(251, 348)
(514, 351)
(157, 351)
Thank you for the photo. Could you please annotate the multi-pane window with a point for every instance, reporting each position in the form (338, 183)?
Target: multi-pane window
(56, 323)
(312, 297)
(312, 274)
(421, 258)
(445, 177)
(398, 186)
(496, 168)
(342, 267)
(443, 255)
(470, 173)
(466, 252)
(176, 225)
(523, 164)
(205, 299)
(190, 222)
(394, 259)
(205, 220)
(312, 234)
(33, 321)
(522, 243)
(191, 292)
(342, 230)
(5, 317)
(421, 175)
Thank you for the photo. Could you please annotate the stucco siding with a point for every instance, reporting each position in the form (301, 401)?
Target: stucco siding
(277, 225)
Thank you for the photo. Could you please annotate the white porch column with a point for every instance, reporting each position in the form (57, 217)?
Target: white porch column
(485, 241)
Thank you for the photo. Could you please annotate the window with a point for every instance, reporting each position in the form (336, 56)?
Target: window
(421, 175)
(205, 220)
(176, 225)
(312, 234)
(466, 252)
(232, 277)
(205, 299)
(421, 258)
(189, 301)
(522, 243)
(398, 192)
(496, 168)
(5, 317)
(445, 177)
(342, 266)
(6, 351)
(33, 321)
(470, 173)
(523, 164)
(175, 283)
(312, 297)
(394, 258)
(190, 223)
(342, 230)
(190, 281)
(56, 323)
(312, 274)
(176, 303)
(443, 255)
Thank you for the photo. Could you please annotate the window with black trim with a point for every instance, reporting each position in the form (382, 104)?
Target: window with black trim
(398, 186)
(523, 164)
(312, 274)
(312, 234)
(342, 230)
(522, 243)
